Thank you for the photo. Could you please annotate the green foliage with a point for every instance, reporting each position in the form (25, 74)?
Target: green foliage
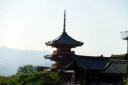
(38, 78)
(35, 83)
(54, 76)
(28, 75)
(12, 80)
(126, 81)
(38, 68)
(25, 69)
(3, 80)
(3, 83)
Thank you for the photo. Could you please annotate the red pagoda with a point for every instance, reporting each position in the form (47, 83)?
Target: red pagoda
(63, 55)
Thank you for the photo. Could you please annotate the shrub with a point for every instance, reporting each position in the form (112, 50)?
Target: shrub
(12, 80)
(3, 83)
(3, 80)
(38, 78)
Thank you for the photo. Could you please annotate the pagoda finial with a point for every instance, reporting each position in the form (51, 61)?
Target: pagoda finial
(64, 20)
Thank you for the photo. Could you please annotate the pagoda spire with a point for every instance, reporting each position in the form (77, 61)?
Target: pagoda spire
(64, 28)
(64, 40)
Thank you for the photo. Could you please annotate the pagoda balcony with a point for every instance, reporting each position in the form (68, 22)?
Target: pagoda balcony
(63, 52)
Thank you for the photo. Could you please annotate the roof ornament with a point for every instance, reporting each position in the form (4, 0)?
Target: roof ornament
(64, 21)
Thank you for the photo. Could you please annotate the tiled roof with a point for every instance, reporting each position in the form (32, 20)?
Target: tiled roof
(119, 57)
(117, 66)
(64, 39)
(104, 65)
(91, 63)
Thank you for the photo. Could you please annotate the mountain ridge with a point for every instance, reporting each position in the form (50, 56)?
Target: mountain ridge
(11, 59)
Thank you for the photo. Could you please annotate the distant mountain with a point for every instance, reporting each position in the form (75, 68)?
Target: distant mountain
(11, 59)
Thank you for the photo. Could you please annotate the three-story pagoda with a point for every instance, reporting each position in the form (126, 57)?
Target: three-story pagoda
(63, 55)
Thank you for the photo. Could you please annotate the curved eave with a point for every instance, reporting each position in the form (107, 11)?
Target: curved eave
(58, 57)
(64, 45)
(64, 39)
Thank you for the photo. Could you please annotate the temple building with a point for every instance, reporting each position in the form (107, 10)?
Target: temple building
(86, 70)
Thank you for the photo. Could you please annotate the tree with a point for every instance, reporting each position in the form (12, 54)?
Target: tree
(26, 69)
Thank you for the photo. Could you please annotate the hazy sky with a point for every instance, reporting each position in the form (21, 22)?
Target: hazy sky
(28, 24)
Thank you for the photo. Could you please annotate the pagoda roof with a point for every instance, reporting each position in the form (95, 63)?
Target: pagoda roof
(64, 39)
(74, 56)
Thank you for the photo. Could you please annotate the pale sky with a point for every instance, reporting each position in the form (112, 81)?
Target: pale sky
(28, 24)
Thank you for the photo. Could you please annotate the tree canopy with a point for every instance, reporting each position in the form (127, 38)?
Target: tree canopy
(26, 69)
